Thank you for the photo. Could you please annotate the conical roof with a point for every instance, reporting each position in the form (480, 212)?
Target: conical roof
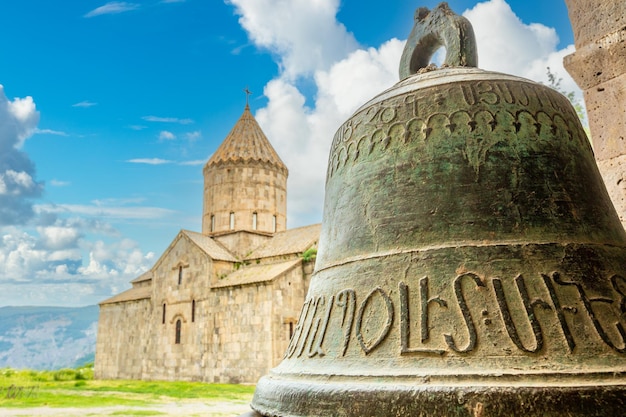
(246, 142)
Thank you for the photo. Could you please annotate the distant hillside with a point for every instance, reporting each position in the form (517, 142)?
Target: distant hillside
(47, 337)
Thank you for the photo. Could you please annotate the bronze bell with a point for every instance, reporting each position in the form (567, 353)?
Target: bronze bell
(470, 263)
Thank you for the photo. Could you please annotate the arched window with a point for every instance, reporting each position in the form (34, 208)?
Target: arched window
(253, 221)
(232, 221)
(274, 224)
(163, 319)
(193, 310)
(180, 274)
(290, 330)
(178, 325)
(213, 222)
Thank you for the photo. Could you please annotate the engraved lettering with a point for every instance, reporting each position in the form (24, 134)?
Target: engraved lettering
(505, 93)
(571, 344)
(378, 114)
(588, 304)
(467, 316)
(298, 330)
(486, 93)
(469, 94)
(411, 101)
(346, 131)
(546, 100)
(347, 300)
(425, 302)
(618, 283)
(529, 306)
(525, 100)
(405, 319)
(367, 348)
(371, 114)
(388, 114)
(315, 347)
(316, 303)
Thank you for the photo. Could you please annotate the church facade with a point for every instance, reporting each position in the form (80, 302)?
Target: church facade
(220, 305)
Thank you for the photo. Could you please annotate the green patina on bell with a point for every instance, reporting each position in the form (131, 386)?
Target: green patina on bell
(470, 263)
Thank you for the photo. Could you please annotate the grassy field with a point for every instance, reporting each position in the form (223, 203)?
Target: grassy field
(76, 388)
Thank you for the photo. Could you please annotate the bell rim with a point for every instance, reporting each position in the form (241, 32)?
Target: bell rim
(284, 397)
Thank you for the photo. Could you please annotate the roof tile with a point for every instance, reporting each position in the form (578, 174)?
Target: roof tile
(246, 142)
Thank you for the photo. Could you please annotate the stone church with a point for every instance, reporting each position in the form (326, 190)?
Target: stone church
(221, 305)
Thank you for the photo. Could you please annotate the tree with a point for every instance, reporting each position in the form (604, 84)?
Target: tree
(554, 82)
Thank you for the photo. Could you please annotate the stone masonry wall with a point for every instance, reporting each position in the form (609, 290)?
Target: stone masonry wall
(289, 294)
(240, 333)
(599, 68)
(165, 358)
(120, 345)
(250, 330)
(244, 189)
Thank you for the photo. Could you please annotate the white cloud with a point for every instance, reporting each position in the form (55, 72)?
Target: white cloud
(59, 237)
(193, 136)
(84, 104)
(149, 161)
(59, 183)
(111, 212)
(49, 132)
(138, 127)
(18, 120)
(166, 135)
(158, 119)
(113, 7)
(506, 44)
(118, 201)
(58, 266)
(74, 256)
(194, 162)
(16, 183)
(304, 35)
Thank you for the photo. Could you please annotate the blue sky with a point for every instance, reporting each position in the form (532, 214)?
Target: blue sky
(109, 109)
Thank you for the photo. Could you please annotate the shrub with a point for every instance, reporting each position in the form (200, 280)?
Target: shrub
(84, 373)
(64, 375)
(309, 254)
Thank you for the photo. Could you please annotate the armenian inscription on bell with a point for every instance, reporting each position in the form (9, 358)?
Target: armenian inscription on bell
(469, 313)
(489, 107)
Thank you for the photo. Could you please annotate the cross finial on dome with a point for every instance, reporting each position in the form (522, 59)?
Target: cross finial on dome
(248, 92)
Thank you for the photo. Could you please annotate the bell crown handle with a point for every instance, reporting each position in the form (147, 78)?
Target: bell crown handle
(433, 29)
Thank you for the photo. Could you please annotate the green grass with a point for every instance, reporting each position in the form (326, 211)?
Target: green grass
(77, 388)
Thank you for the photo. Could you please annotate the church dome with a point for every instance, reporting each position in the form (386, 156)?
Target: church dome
(245, 183)
(246, 142)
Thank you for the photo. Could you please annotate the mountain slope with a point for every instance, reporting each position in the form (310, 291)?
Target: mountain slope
(47, 337)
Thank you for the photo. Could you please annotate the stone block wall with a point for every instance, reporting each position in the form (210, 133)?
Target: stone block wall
(184, 262)
(241, 333)
(244, 189)
(599, 68)
(120, 346)
(289, 293)
(181, 282)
